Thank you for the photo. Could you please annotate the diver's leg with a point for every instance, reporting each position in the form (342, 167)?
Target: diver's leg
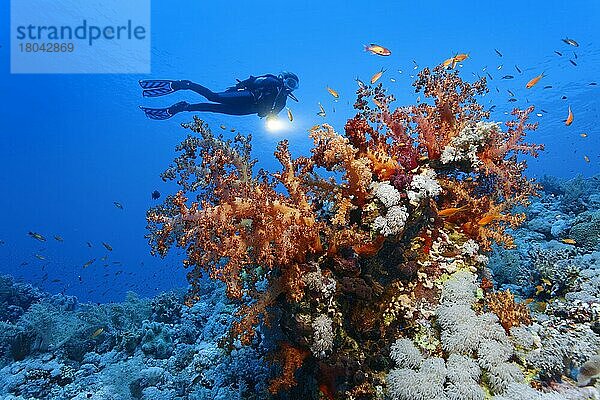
(194, 87)
(238, 98)
(243, 98)
(221, 109)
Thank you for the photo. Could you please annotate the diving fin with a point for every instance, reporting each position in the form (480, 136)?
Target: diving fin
(156, 113)
(165, 113)
(157, 87)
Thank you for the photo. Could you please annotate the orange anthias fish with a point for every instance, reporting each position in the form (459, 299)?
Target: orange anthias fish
(447, 62)
(333, 92)
(451, 62)
(487, 219)
(461, 57)
(376, 77)
(448, 212)
(377, 49)
(535, 80)
(569, 120)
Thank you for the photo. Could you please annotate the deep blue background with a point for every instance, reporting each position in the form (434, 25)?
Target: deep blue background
(73, 144)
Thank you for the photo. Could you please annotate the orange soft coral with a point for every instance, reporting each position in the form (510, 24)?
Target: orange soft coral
(304, 242)
(454, 108)
(291, 358)
(238, 223)
(509, 312)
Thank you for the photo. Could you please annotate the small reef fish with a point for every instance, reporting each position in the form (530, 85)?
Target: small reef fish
(499, 67)
(40, 257)
(510, 92)
(569, 120)
(534, 81)
(508, 77)
(573, 62)
(58, 238)
(487, 219)
(155, 195)
(498, 52)
(223, 127)
(89, 245)
(377, 50)
(360, 83)
(376, 77)
(593, 84)
(448, 212)
(512, 100)
(563, 97)
(416, 66)
(290, 115)
(37, 236)
(321, 112)
(448, 62)
(488, 74)
(378, 103)
(575, 55)
(571, 42)
(558, 53)
(518, 69)
(118, 205)
(107, 246)
(586, 158)
(87, 264)
(583, 135)
(569, 241)
(333, 92)
(97, 333)
(548, 87)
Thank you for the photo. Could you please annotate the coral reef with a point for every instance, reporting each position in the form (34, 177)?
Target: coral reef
(476, 357)
(347, 247)
(155, 362)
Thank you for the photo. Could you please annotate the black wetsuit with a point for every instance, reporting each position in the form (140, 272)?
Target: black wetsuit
(262, 95)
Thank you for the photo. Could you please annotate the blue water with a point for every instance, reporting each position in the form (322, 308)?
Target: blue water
(74, 144)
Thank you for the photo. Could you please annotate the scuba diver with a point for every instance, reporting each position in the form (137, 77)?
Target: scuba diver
(264, 95)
